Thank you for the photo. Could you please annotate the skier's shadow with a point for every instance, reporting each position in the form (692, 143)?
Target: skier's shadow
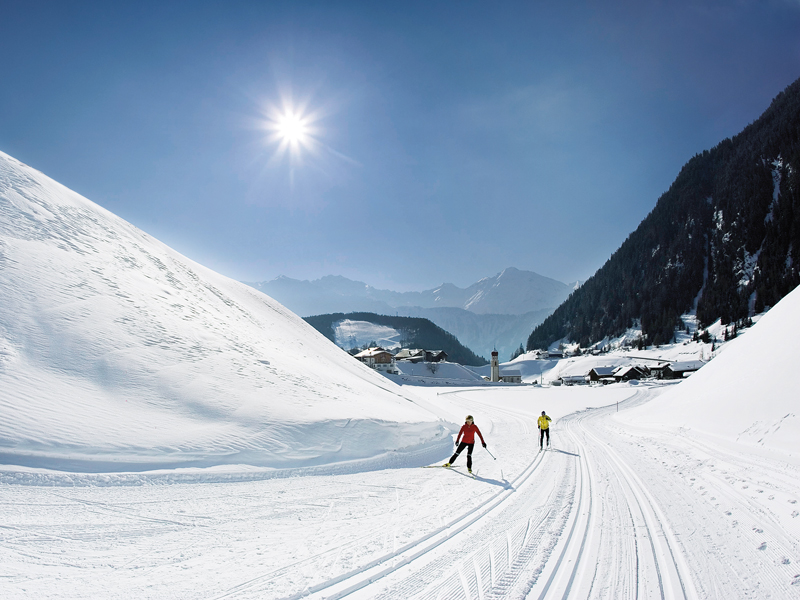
(503, 484)
(562, 452)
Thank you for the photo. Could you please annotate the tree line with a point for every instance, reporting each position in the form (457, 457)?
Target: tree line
(724, 239)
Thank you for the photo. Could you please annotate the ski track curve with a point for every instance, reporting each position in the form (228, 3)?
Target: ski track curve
(597, 532)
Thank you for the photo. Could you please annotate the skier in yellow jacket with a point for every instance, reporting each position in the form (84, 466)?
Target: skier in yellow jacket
(544, 428)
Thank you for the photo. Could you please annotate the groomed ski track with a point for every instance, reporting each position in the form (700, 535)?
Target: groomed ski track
(541, 537)
(579, 522)
(613, 510)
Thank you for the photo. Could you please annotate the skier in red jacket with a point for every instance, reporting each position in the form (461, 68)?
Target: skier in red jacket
(467, 440)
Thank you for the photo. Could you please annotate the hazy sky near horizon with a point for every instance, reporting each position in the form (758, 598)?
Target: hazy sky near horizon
(443, 141)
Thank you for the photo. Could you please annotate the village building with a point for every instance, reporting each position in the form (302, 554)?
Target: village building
(574, 379)
(378, 359)
(509, 376)
(657, 370)
(410, 355)
(678, 370)
(494, 368)
(435, 356)
(602, 374)
(629, 372)
(416, 355)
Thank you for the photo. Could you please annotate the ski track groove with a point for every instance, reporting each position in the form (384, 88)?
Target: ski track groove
(572, 574)
(644, 506)
(397, 559)
(722, 503)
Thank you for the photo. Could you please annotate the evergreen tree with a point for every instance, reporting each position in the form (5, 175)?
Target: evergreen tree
(728, 204)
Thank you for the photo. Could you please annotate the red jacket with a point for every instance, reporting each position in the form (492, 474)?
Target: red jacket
(468, 431)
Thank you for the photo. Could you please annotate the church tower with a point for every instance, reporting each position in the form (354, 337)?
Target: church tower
(495, 367)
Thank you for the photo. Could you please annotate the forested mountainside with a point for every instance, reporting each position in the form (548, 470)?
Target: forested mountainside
(726, 236)
(416, 333)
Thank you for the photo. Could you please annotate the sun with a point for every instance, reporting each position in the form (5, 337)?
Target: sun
(295, 134)
(291, 128)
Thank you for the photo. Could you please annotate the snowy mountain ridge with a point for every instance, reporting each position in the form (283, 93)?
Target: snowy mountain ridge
(510, 292)
(496, 312)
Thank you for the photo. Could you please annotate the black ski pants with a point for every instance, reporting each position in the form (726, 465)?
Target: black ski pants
(542, 432)
(461, 446)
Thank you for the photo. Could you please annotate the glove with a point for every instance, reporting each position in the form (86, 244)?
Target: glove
(456, 443)
(484, 444)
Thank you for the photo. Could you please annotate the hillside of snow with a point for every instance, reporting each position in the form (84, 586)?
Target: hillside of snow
(117, 353)
(747, 394)
(435, 374)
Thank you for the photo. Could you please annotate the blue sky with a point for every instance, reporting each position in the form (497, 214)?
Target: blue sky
(445, 140)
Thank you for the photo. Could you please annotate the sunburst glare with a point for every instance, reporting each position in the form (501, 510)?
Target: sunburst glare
(291, 129)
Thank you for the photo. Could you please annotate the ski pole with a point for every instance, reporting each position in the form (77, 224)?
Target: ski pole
(490, 454)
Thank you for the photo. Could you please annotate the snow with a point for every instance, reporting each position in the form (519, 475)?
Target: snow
(440, 373)
(121, 354)
(745, 395)
(169, 433)
(357, 334)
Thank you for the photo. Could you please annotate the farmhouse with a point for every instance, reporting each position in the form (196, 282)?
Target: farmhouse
(435, 356)
(677, 370)
(419, 355)
(410, 355)
(604, 374)
(629, 372)
(574, 379)
(378, 359)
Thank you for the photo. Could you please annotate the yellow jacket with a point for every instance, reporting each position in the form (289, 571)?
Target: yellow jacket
(544, 422)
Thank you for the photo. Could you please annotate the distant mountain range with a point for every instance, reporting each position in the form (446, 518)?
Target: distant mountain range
(724, 240)
(495, 312)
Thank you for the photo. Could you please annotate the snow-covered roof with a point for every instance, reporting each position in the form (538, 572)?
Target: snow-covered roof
(370, 352)
(624, 371)
(604, 371)
(689, 365)
(409, 353)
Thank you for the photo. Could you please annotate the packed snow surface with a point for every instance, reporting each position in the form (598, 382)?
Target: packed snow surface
(748, 394)
(117, 353)
(114, 350)
(357, 334)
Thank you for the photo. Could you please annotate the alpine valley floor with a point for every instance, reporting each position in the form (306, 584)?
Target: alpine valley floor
(614, 509)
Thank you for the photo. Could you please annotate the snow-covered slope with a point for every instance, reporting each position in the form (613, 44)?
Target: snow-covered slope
(116, 352)
(748, 393)
(356, 334)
